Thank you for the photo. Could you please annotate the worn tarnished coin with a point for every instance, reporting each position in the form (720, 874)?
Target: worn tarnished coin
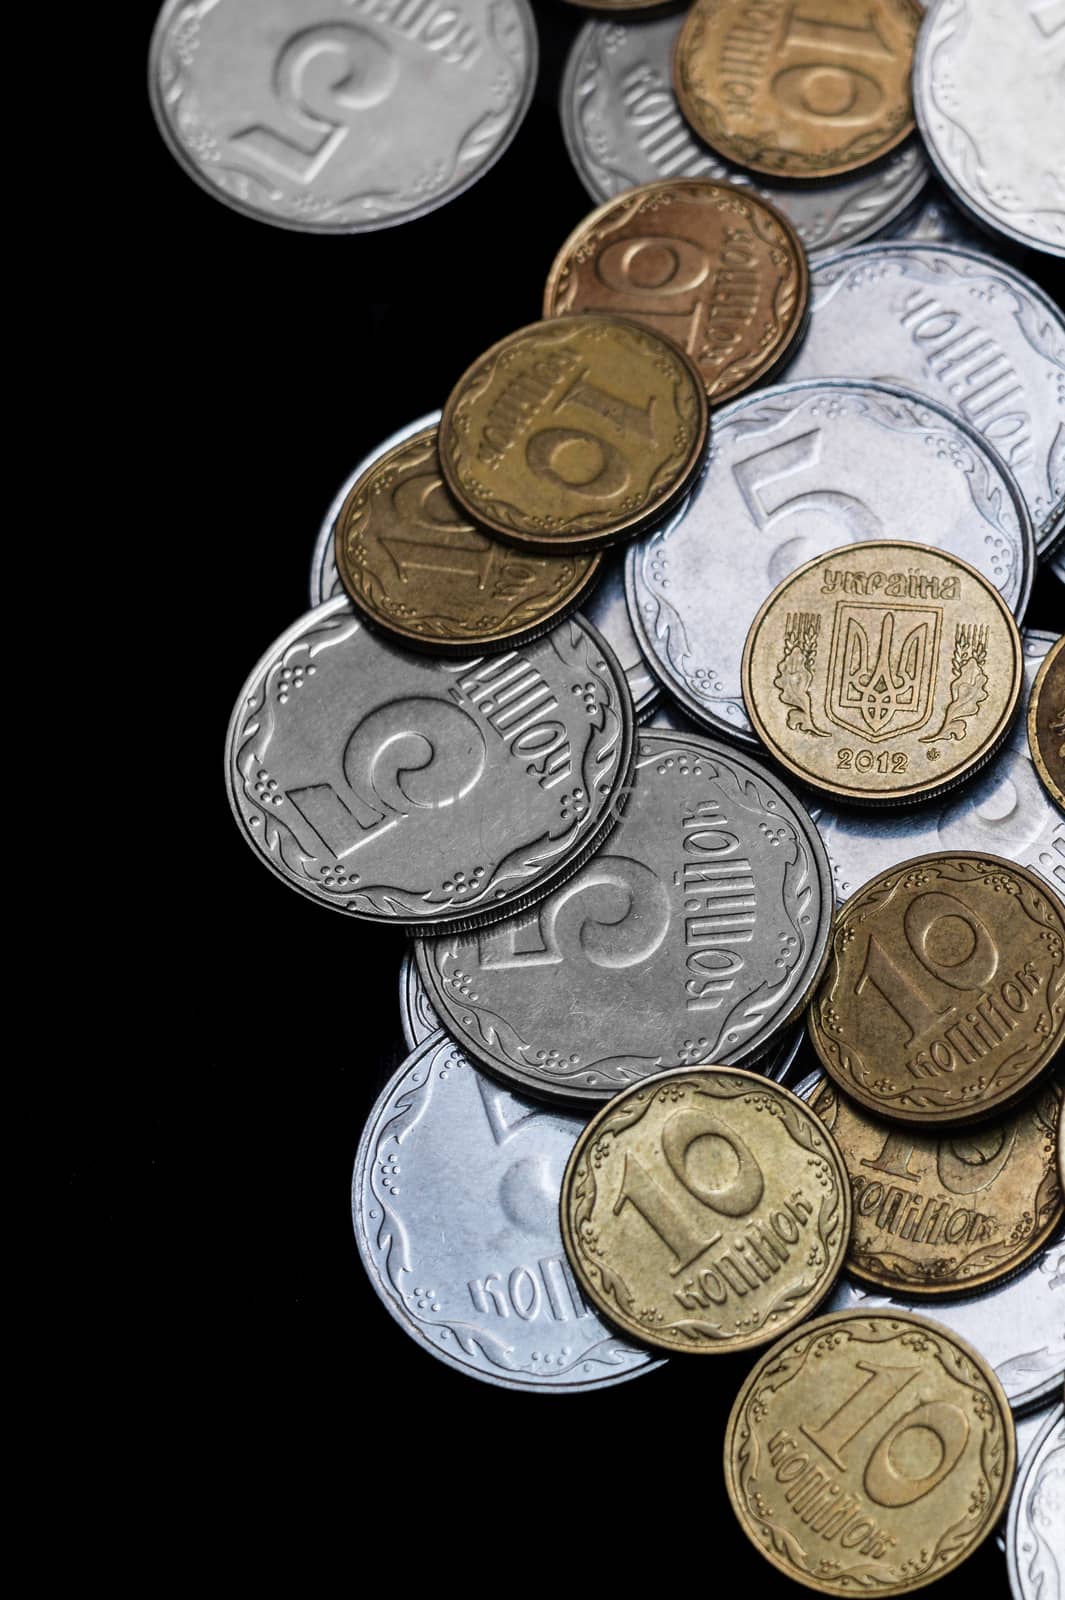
(947, 1215)
(962, 328)
(623, 127)
(419, 792)
(696, 935)
(417, 1017)
(1035, 1536)
(988, 82)
(883, 671)
(797, 92)
(718, 270)
(455, 1207)
(574, 432)
(869, 1453)
(705, 1211)
(796, 471)
(410, 560)
(1004, 810)
(340, 118)
(1046, 721)
(944, 999)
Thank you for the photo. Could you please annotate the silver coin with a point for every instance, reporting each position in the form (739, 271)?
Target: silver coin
(337, 117)
(623, 127)
(418, 792)
(416, 1014)
(1056, 563)
(1035, 1532)
(795, 471)
(962, 328)
(607, 611)
(455, 1206)
(697, 935)
(1027, 1428)
(934, 220)
(989, 93)
(1004, 810)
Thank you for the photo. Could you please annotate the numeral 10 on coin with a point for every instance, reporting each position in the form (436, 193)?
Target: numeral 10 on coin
(960, 932)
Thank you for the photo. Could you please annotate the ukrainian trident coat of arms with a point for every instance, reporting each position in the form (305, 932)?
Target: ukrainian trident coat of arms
(882, 668)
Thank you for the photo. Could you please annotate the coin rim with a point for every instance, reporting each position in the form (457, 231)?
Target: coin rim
(1028, 1461)
(1040, 765)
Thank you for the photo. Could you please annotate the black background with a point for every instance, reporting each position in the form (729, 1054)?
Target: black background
(213, 1213)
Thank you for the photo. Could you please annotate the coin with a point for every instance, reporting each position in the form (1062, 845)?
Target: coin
(623, 126)
(414, 566)
(964, 329)
(987, 82)
(721, 272)
(799, 470)
(705, 1211)
(885, 706)
(574, 432)
(340, 118)
(1027, 1428)
(1046, 722)
(1056, 563)
(942, 1216)
(944, 998)
(797, 94)
(869, 1449)
(455, 1206)
(1004, 810)
(606, 610)
(418, 792)
(697, 935)
(933, 220)
(417, 1017)
(1035, 1535)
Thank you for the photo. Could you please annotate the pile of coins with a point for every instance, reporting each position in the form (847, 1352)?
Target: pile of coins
(770, 796)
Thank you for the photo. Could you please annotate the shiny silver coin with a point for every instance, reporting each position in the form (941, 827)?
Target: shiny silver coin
(795, 471)
(1056, 563)
(1027, 1428)
(1035, 1532)
(696, 935)
(623, 127)
(455, 1206)
(989, 93)
(965, 330)
(416, 1015)
(934, 220)
(340, 118)
(418, 792)
(1004, 810)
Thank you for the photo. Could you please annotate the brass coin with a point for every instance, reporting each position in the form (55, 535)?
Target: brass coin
(1046, 721)
(718, 269)
(943, 1216)
(869, 1454)
(798, 91)
(944, 996)
(408, 557)
(573, 433)
(883, 672)
(706, 1210)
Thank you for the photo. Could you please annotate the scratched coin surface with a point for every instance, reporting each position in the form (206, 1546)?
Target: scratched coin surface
(719, 271)
(962, 328)
(1035, 1536)
(340, 118)
(414, 791)
(572, 433)
(869, 1453)
(705, 1211)
(883, 671)
(455, 1207)
(1004, 810)
(797, 93)
(1046, 721)
(695, 935)
(988, 82)
(623, 127)
(796, 471)
(944, 998)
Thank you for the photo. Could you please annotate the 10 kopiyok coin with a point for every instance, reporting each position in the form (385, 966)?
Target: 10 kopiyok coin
(1046, 722)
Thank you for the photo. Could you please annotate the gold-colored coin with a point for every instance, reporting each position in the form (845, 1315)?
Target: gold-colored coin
(944, 996)
(883, 672)
(869, 1454)
(795, 91)
(942, 1216)
(716, 268)
(706, 1210)
(1046, 721)
(573, 433)
(409, 558)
